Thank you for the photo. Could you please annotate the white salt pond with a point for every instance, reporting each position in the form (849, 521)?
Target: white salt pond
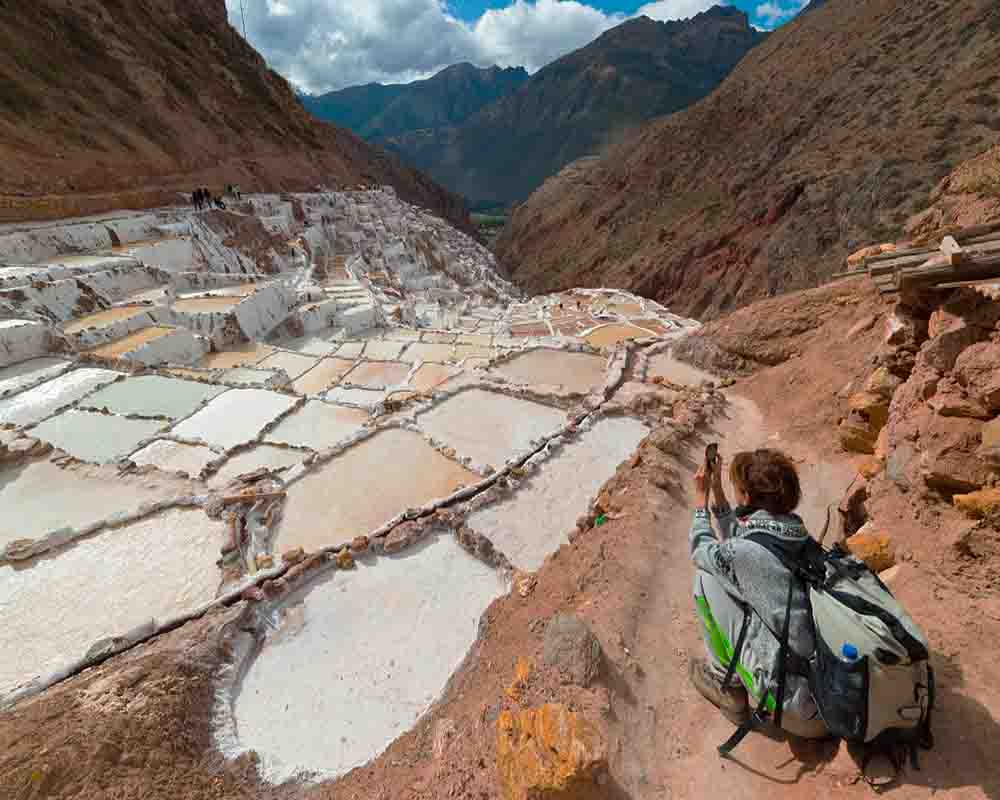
(359, 658)
(260, 457)
(536, 521)
(36, 404)
(56, 607)
(175, 457)
(365, 487)
(577, 372)
(94, 437)
(318, 425)
(235, 417)
(489, 427)
(40, 497)
(153, 396)
(27, 373)
(292, 363)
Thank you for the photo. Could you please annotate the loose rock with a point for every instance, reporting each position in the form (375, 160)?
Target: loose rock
(573, 649)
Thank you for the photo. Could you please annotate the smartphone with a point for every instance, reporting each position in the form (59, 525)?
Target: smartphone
(711, 456)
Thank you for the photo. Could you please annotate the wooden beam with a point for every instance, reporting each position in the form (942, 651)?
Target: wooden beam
(953, 251)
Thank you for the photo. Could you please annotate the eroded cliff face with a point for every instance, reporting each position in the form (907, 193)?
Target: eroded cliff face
(115, 103)
(828, 135)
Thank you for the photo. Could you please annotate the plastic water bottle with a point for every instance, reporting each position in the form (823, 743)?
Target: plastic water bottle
(849, 652)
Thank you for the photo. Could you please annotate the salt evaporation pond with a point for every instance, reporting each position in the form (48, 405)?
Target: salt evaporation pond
(359, 657)
(536, 520)
(365, 487)
(27, 373)
(36, 404)
(235, 417)
(153, 396)
(40, 497)
(577, 372)
(318, 425)
(57, 606)
(98, 438)
(489, 427)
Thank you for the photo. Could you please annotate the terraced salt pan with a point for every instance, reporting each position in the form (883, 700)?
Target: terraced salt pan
(360, 657)
(577, 372)
(175, 457)
(207, 305)
(318, 425)
(489, 427)
(27, 373)
(98, 438)
(246, 376)
(430, 375)
(153, 396)
(536, 520)
(378, 374)
(365, 487)
(33, 405)
(40, 497)
(664, 365)
(237, 357)
(57, 607)
(310, 345)
(321, 377)
(235, 417)
(263, 456)
(292, 363)
(350, 349)
(383, 350)
(131, 342)
(419, 351)
(354, 397)
(610, 335)
(103, 318)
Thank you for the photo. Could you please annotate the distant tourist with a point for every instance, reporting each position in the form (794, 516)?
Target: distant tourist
(196, 200)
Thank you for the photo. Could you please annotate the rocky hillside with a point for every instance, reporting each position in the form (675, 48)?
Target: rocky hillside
(377, 111)
(829, 134)
(125, 102)
(580, 104)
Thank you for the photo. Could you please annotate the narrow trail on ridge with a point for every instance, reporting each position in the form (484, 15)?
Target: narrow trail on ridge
(667, 733)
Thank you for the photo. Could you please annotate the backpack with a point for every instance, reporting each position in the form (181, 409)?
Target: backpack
(869, 675)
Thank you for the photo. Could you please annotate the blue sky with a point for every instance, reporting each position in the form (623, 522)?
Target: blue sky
(320, 45)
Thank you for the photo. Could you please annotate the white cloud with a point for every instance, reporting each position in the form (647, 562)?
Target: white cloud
(676, 9)
(773, 13)
(321, 45)
(533, 34)
(329, 44)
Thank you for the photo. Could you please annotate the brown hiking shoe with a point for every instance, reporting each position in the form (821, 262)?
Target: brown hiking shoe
(732, 702)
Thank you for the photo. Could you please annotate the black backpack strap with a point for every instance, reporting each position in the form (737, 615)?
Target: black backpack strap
(740, 641)
(758, 718)
(779, 700)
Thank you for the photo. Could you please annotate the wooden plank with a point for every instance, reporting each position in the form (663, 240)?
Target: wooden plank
(912, 251)
(989, 237)
(953, 251)
(904, 261)
(964, 284)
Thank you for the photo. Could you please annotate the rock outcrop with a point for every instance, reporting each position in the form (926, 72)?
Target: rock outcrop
(549, 752)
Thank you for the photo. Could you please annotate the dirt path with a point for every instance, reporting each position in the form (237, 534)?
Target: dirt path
(668, 734)
(673, 733)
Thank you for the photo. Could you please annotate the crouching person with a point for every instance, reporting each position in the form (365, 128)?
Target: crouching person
(741, 591)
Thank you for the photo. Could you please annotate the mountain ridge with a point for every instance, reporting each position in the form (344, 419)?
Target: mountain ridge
(846, 120)
(580, 103)
(376, 111)
(91, 120)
